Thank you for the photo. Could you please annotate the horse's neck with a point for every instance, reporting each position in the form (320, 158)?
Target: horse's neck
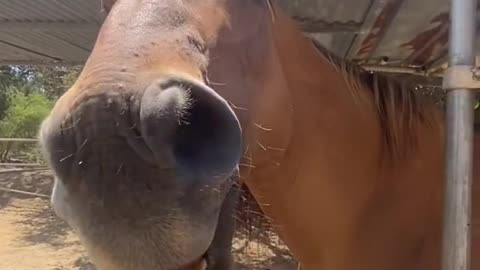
(327, 189)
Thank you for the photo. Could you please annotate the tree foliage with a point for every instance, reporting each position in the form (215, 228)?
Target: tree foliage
(22, 120)
(24, 114)
(54, 81)
(12, 76)
(27, 95)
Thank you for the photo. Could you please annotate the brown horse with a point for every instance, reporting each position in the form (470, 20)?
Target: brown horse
(348, 165)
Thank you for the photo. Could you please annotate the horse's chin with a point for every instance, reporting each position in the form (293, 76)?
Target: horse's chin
(200, 264)
(102, 261)
(100, 257)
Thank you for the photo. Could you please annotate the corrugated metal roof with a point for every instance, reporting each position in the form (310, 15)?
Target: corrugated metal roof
(46, 31)
(405, 36)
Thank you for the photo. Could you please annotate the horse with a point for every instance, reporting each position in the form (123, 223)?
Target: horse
(181, 100)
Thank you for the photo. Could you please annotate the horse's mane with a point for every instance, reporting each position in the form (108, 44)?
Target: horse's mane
(401, 107)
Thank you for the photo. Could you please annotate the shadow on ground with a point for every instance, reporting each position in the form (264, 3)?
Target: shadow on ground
(40, 182)
(44, 227)
(41, 225)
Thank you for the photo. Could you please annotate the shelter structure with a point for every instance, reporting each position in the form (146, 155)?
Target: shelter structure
(425, 39)
(399, 36)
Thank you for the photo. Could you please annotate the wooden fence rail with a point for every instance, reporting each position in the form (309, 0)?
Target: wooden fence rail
(31, 140)
(20, 166)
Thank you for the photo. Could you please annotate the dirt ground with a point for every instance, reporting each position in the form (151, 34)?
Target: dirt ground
(33, 238)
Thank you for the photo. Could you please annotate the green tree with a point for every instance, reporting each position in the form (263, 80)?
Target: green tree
(27, 94)
(55, 80)
(17, 76)
(22, 118)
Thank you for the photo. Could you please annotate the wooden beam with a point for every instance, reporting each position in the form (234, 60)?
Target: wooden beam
(32, 140)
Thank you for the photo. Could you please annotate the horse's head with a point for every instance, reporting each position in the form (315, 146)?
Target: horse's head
(143, 151)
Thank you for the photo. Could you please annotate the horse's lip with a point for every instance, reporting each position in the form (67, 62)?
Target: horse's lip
(203, 264)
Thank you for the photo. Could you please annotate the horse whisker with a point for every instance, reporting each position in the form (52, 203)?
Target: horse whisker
(120, 168)
(66, 157)
(276, 149)
(83, 144)
(247, 158)
(236, 107)
(262, 128)
(263, 147)
(246, 165)
(216, 83)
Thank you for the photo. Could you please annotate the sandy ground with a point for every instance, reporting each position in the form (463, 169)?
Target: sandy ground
(33, 238)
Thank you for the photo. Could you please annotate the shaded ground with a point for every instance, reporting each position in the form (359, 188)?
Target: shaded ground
(33, 238)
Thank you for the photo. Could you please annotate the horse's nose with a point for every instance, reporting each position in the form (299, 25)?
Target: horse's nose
(174, 123)
(188, 124)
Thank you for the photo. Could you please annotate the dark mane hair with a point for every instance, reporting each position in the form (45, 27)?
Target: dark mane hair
(401, 107)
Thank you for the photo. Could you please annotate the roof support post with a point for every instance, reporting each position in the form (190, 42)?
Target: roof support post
(460, 81)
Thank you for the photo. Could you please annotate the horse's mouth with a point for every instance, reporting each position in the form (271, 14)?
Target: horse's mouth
(202, 265)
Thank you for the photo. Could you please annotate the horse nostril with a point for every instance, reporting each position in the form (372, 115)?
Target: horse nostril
(187, 123)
